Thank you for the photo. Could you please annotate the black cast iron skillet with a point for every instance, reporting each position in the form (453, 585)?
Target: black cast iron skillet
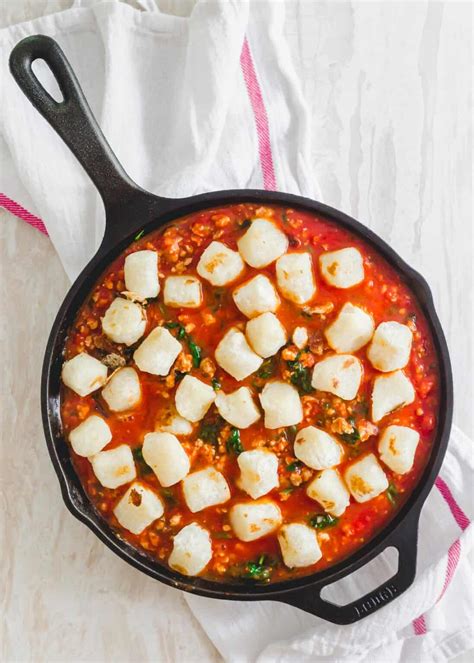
(128, 209)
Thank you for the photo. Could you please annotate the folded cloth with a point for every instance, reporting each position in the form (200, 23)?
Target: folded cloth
(199, 103)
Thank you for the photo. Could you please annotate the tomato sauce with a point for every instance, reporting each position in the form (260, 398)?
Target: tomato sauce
(382, 292)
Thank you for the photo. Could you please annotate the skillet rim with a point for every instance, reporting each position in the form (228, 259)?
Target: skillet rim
(121, 227)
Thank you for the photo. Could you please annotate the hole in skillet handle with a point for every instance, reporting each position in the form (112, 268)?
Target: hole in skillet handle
(71, 118)
(404, 539)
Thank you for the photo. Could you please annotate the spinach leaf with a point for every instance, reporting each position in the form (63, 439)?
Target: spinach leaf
(169, 497)
(354, 436)
(258, 571)
(182, 334)
(392, 494)
(210, 428)
(294, 466)
(290, 433)
(267, 369)
(143, 468)
(139, 235)
(234, 444)
(300, 376)
(196, 352)
(323, 520)
(216, 385)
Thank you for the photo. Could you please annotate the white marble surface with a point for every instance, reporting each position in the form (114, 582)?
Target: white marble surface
(389, 88)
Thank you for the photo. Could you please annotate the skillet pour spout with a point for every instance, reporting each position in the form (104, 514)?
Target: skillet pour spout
(129, 208)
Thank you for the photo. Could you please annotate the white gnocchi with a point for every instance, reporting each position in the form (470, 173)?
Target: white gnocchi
(317, 449)
(176, 425)
(282, 404)
(138, 508)
(141, 274)
(235, 355)
(256, 296)
(124, 321)
(339, 375)
(205, 488)
(166, 457)
(238, 408)
(266, 334)
(263, 243)
(365, 478)
(84, 374)
(330, 491)
(300, 337)
(391, 346)
(158, 352)
(391, 392)
(252, 520)
(192, 550)
(220, 265)
(343, 268)
(123, 391)
(299, 545)
(193, 398)
(397, 447)
(91, 436)
(295, 277)
(182, 292)
(114, 467)
(351, 330)
(258, 472)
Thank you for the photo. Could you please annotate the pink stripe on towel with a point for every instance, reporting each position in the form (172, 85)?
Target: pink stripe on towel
(458, 514)
(22, 213)
(261, 118)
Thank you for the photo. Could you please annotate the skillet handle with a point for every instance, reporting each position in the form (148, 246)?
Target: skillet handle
(405, 540)
(71, 118)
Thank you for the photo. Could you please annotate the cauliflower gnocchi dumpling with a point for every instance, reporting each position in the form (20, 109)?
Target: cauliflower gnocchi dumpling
(141, 274)
(281, 404)
(330, 491)
(84, 374)
(339, 375)
(391, 346)
(390, 393)
(316, 449)
(299, 545)
(238, 408)
(176, 425)
(166, 457)
(258, 472)
(123, 391)
(256, 296)
(220, 265)
(235, 355)
(262, 243)
(158, 352)
(266, 334)
(343, 268)
(351, 330)
(300, 337)
(182, 292)
(138, 508)
(193, 398)
(114, 467)
(397, 447)
(295, 278)
(205, 488)
(252, 520)
(365, 478)
(124, 321)
(192, 550)
(91, 436)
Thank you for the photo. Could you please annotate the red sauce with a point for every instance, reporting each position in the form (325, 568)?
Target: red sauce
(382, 293)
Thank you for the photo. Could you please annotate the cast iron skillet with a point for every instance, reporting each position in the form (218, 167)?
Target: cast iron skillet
(128, 209)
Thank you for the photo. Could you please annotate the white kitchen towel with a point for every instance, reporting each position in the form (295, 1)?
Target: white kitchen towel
(199, 103)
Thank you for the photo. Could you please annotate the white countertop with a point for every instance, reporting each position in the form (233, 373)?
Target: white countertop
(388, 85)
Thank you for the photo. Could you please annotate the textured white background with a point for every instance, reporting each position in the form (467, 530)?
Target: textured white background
(389, 85)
